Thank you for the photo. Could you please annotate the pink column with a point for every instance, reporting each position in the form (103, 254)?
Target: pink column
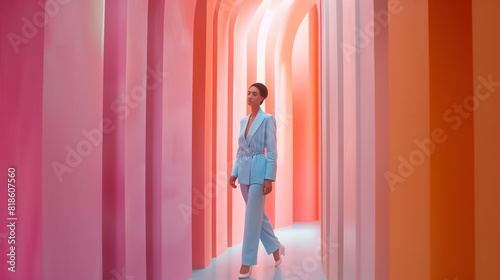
(154, 160)
(124, 208)
(21, 74)
(332, 127)
(381, 146)
(350, 92)
(331, 143)
(202, 122)
(177, 115)
(168, 140)
(373, 109)
(135, 139)
(224, 10)
(72, 153)
(113, 143)
(355, 121)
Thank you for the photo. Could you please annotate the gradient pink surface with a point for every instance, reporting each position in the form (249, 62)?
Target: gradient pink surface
(21, 91)
(72, 104)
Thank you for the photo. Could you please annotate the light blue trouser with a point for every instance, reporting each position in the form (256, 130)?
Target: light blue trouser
(257, 225)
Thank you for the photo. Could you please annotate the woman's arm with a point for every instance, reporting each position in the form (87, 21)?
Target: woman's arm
(234, 174)
(272, 153)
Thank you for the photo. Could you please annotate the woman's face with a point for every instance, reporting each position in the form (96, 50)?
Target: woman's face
(253, 97)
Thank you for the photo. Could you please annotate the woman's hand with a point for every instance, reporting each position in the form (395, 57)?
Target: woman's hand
(268, 186)
(232, 181)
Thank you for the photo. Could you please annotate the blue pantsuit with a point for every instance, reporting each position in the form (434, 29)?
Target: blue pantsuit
(252, 167)
(257, 225)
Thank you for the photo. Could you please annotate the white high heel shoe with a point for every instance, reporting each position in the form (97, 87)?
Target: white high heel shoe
(281, 252)
(246, 275)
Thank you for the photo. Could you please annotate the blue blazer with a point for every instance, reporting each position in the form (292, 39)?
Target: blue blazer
(252, 166)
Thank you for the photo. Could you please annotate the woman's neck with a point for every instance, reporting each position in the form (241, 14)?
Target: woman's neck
(255, 110)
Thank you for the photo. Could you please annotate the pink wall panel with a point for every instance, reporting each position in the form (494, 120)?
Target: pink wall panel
(350, 149)
(366, 113)
(113, 143)
(135, 139)
(72, 108)
(373, 145)
(353, 229)
(154, 143)
(202, 148)
(381, 145)
(331, 143)
(21, 74)
(220, 222)
(177, 115)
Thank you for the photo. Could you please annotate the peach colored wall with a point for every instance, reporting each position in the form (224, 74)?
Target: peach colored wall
(409, 125)
(305, 191)
(314, 86)
(284, 109)
(486, 43)
(202, 134)
(221, 85)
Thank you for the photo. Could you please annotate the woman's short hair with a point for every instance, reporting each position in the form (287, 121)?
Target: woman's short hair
(262, 89)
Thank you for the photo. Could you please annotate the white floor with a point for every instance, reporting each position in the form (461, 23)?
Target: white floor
(301, 262)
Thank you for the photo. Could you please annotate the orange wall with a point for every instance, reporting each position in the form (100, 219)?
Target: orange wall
(486, 36)
(409, 121)
(452, 164)
(433, 141)
(305, 130)
(202, 134)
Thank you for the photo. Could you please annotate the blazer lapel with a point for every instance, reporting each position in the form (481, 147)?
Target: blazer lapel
(255, 125)
(244, 142)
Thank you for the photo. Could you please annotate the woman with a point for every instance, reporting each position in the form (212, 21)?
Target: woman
(255, 173)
